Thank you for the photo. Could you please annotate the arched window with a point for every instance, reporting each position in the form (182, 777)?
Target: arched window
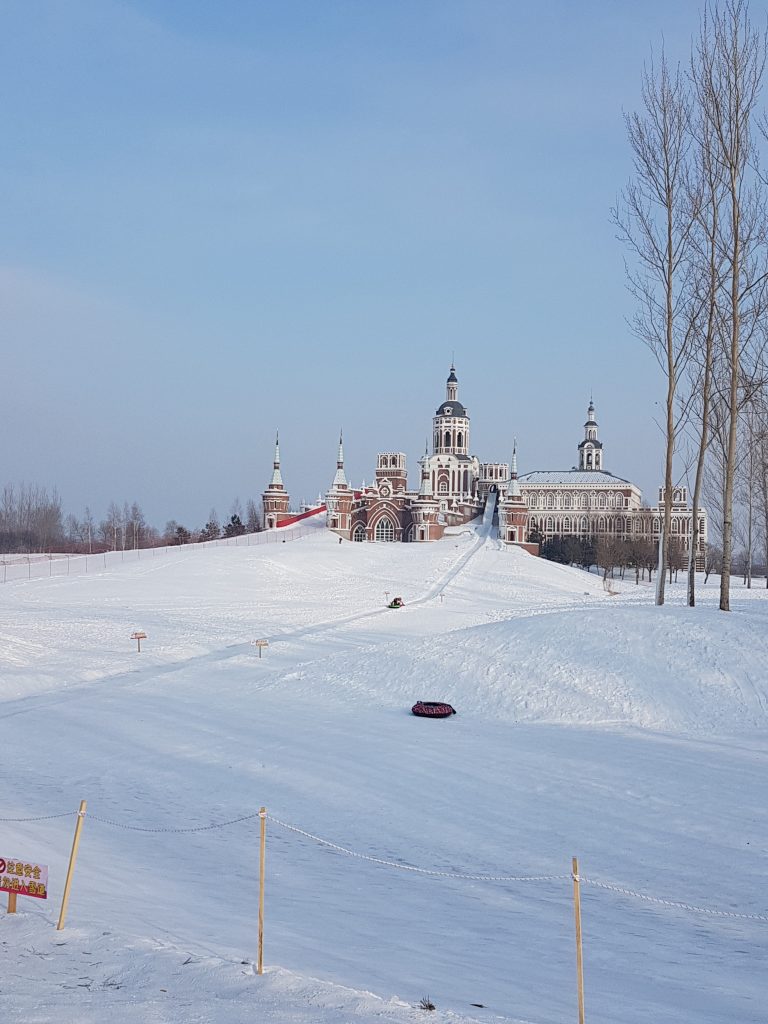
(597, 460)
(601, 501)
(534, 524)
(459, 440)
(601, 524)
(442, 487)
(447, 439)
(385, 530)
(591, 434)
(584, 524)
(675, 526)
(567, 524)
(512, 534)
(566, 501)
(584, 501)
(358, 533)
(550, 501)
(589, 460)
(550, 524)
(393, 461)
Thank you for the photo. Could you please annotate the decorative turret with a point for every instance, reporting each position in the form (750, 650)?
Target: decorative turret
(425, 490)
(340, 498)
(452, 386)
(513, 509)
(275, 500)
(591, 448)
(451, 421)
(340, 479)
(513, 491)
(426, 508)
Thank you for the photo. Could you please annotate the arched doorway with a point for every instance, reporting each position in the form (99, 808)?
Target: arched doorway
(358, 534)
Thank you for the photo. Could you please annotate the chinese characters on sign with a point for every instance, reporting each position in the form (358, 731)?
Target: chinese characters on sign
(23, 879)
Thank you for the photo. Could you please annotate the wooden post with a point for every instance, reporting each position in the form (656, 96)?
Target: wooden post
(579, 953)
(262, 857)
(11, 902)
(71, 868)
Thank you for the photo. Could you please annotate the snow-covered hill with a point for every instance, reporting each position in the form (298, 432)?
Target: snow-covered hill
(588, 724)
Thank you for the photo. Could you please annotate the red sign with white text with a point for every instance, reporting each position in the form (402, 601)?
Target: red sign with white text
(23, 877)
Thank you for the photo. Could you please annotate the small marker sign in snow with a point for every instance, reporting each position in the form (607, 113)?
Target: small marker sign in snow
(260, 644)
(22, 878)
(138, 636)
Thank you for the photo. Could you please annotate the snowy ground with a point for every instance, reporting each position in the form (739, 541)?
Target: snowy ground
(588, 724)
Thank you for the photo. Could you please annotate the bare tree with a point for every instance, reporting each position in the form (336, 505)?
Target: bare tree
(727, 74)
(656, 222)
(707, 323)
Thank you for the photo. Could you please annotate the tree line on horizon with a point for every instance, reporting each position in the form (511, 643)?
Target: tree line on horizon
(32, 520)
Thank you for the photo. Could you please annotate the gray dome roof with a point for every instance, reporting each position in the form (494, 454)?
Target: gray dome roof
(451, 408)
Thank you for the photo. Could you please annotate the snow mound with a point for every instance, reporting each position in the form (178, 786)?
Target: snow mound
(669, 669)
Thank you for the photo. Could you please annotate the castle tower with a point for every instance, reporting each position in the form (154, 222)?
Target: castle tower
(451, 422)
(391, 470)
(425, 507)
(513, 509)
(591, 448)
(275, 500)
(340, 498)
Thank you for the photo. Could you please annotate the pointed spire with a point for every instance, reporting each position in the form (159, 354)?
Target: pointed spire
(425, 490)
(340, 479)
(513, 490)
(277, 479)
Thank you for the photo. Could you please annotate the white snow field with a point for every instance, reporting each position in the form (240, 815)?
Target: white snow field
(588, 724)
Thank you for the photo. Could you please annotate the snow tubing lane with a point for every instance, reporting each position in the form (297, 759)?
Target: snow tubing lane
(432, 709)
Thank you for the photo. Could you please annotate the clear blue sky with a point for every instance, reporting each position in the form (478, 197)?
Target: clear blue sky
(223, 218)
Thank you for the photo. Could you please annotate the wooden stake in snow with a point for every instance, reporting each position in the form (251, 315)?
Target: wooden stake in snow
(71, 868)
(138, 636)
(579, 955)
(262, 858)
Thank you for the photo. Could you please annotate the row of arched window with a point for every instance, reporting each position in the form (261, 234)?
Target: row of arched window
(449, 441)
(576, 500)
(621, 525)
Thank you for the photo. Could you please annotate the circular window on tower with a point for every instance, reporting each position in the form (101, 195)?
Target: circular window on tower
(385, 490)
(447, 410)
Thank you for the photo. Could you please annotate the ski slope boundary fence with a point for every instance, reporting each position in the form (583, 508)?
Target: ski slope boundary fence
(560, 882)
(42, 566)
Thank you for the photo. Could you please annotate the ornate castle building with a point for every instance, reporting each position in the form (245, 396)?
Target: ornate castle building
(452, 491)
(585, 502)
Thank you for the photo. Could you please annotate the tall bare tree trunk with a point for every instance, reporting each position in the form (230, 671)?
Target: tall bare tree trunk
(727, 76)
(656, 221)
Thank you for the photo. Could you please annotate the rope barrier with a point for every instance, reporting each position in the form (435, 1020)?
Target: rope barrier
(674, 903)
(43, 817)
(196, 828)
(412, 867)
